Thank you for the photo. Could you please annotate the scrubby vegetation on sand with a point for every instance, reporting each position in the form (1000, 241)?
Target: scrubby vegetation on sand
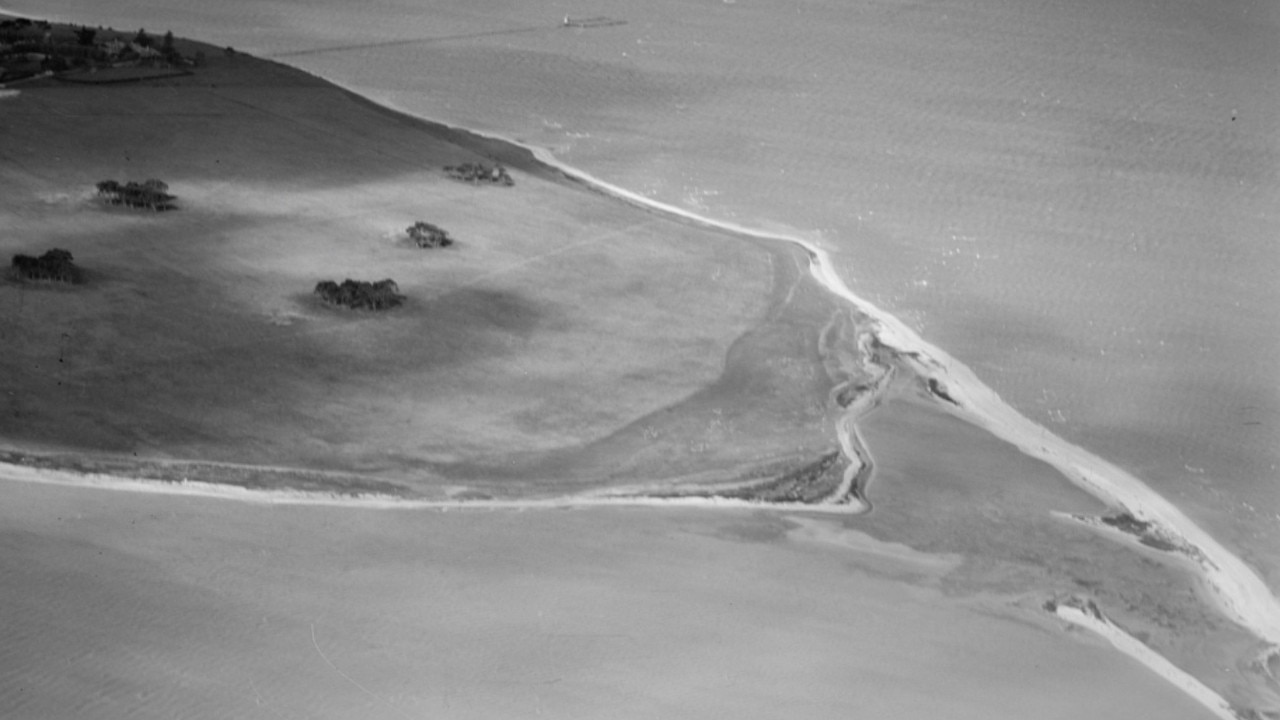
(360, 294)
(53, 266)
(478, 173)
(426, 235)
(150, 194)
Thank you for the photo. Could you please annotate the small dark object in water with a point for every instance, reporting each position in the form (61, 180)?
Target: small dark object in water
(937, 389)
(1127, 523)
(1145, 531)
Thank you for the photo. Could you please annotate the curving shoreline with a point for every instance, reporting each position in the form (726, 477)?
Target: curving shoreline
(1239, 592)
(1085, 614)
(377, 501)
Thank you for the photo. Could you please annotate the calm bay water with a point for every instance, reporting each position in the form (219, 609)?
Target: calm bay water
(1081, 201)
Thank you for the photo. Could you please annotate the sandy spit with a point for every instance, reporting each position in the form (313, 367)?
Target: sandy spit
(1131, 646)
(18, 473)
(1239, 591)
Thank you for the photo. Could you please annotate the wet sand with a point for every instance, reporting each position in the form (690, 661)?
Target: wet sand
(130, 605)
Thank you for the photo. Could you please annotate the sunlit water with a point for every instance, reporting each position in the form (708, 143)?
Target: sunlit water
(1080, 201)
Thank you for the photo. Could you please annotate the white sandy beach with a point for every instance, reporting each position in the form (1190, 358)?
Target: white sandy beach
(1243, 595)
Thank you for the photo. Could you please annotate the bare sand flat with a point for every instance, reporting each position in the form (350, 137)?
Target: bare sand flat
(124, 605)
(977, 496)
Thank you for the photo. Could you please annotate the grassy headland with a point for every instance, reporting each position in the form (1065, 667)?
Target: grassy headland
(572, 340)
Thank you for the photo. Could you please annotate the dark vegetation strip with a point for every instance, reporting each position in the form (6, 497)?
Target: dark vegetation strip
(104, 78)
(813, 483)
(1144, 531)
(243, 476)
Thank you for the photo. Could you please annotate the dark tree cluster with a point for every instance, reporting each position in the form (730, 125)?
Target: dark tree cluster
(19, 24)
(427, 235)
(53, 266)
(85, 35)
(360, 294)
(28, 48)
(478, 173)
(150, 194)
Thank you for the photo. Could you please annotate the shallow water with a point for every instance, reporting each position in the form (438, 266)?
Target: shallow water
(124, 605)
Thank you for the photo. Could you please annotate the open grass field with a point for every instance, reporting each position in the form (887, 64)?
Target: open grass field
(566, 338)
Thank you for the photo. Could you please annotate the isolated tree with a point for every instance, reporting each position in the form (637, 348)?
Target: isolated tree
(54, 266)
(360, 294)
(426, 235)
(151, 194)
(166, 45)
(142, 39)
(477, 173)
(85, 35)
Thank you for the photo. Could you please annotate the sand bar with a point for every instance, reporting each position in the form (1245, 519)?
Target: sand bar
(1241, 592)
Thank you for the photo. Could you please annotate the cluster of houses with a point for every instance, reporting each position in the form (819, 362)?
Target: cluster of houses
(29, 48)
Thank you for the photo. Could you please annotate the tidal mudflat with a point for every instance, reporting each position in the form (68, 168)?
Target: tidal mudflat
(138, 605)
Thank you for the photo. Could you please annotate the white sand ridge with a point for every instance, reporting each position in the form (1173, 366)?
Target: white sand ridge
(1086, 615)
(1238, 590)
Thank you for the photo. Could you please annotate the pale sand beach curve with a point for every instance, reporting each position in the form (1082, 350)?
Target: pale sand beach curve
(1088, 616)
(1241, 594)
